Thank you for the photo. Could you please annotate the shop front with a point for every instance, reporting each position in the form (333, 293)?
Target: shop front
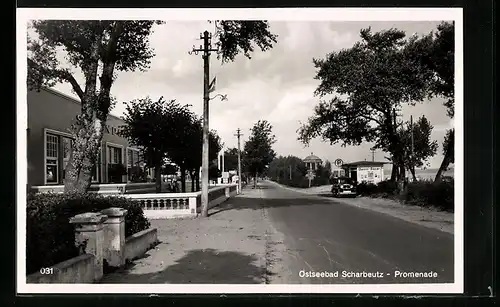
(365, 171)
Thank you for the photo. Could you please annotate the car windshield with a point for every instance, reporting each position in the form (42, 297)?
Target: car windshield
(345, 181)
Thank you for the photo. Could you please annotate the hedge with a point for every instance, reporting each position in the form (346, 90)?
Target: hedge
(420, 193)
(302, 182)
(50, 238)
(427, 193)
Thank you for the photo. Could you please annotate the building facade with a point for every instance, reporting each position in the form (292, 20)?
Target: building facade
(365, 171)
(49, 142)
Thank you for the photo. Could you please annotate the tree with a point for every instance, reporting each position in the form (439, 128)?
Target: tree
(186, 149)
(423, 146)
(154, 126)
(325, 171)
(282, 168)
(440, 59)
(169, 169)
(374, 78)
(213, 171)
(231, 159)
(258, 151)
(107, 47)
(95, 47)
(240, 36)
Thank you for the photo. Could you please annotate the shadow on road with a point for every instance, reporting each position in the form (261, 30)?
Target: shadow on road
(200, 267)
(255, 203)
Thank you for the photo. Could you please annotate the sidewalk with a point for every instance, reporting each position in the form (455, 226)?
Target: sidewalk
(428, 217)
(234, 245)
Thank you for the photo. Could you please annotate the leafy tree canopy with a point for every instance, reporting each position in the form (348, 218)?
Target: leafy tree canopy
(258, 151)
(369, 81)
(423, 145)
(241, 36)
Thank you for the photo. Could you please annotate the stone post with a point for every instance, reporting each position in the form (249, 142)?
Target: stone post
(89, 228)
(193, 205)
(114, 236)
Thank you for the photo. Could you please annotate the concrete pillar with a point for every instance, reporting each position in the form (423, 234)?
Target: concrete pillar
(193, 205)
(89, 228)
(114, 236)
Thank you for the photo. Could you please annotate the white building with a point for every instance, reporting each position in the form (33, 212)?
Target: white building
(365, 171)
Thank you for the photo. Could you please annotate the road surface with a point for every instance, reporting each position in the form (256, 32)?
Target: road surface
(324, 237)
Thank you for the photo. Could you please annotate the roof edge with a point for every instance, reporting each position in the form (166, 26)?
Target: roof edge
(70, 98)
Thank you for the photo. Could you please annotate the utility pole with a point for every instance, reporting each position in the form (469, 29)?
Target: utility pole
(238, 134)
(206, 49)
(412, 144)
(290, 172)
(373, 155)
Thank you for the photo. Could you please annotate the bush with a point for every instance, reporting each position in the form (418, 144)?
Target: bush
(50, 238)
(366, 189)
(428, 193)
(387, 188)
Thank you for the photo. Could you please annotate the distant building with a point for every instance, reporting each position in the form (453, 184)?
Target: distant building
(312, 162)
(365, 171)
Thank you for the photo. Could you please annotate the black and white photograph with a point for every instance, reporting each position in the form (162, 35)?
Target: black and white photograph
(240, 151)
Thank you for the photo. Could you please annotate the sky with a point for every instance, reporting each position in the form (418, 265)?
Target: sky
(277, 85)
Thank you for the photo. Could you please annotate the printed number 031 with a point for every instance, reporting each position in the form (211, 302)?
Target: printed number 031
(47, 271)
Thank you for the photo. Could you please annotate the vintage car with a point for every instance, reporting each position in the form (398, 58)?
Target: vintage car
(343, 186)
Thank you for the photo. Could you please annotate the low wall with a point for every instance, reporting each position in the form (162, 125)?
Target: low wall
(159, 205)
(181, 205)
(79, 270)
(139, 243)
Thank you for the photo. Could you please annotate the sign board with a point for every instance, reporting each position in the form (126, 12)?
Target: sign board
(310, 175)
(338, 162)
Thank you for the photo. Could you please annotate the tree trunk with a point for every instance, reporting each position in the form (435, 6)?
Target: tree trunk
(197, 176)
(254, 181)
(158, 178)
(402, 177)
(191, 176)
(446, 160)
(412, 170)
(94, 112)
(394, 173)
(83, 156)
(183, 180)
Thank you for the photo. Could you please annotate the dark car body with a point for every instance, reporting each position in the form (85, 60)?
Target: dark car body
(343, 186)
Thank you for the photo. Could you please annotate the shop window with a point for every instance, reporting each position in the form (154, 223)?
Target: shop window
(115, 167)
(67, 147)
(52, 158)
(134, 171)
(96, 168)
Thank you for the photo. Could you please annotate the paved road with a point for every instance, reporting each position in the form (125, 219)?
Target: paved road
(324, 235)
